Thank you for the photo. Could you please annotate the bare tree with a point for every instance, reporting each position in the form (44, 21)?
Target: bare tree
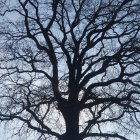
(70, 69)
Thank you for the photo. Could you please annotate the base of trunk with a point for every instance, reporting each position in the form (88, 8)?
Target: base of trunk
(70, 137)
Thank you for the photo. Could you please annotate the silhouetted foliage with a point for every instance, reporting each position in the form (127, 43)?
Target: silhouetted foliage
(70, 69)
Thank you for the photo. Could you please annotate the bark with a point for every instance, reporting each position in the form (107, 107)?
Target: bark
(71, 116)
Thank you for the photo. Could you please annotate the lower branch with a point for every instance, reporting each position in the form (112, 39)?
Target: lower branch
(105, 135)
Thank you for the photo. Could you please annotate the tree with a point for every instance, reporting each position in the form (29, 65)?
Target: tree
(70, 69)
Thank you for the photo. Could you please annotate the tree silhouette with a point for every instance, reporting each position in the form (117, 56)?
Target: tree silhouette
(70, 69)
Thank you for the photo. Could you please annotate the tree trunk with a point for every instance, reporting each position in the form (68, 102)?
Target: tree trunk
(71, 116)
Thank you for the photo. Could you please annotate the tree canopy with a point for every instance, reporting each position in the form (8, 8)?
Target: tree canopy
(70, 69)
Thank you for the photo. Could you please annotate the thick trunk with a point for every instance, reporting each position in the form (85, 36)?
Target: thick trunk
(72, 137)
(71, 116)
(72, 126)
